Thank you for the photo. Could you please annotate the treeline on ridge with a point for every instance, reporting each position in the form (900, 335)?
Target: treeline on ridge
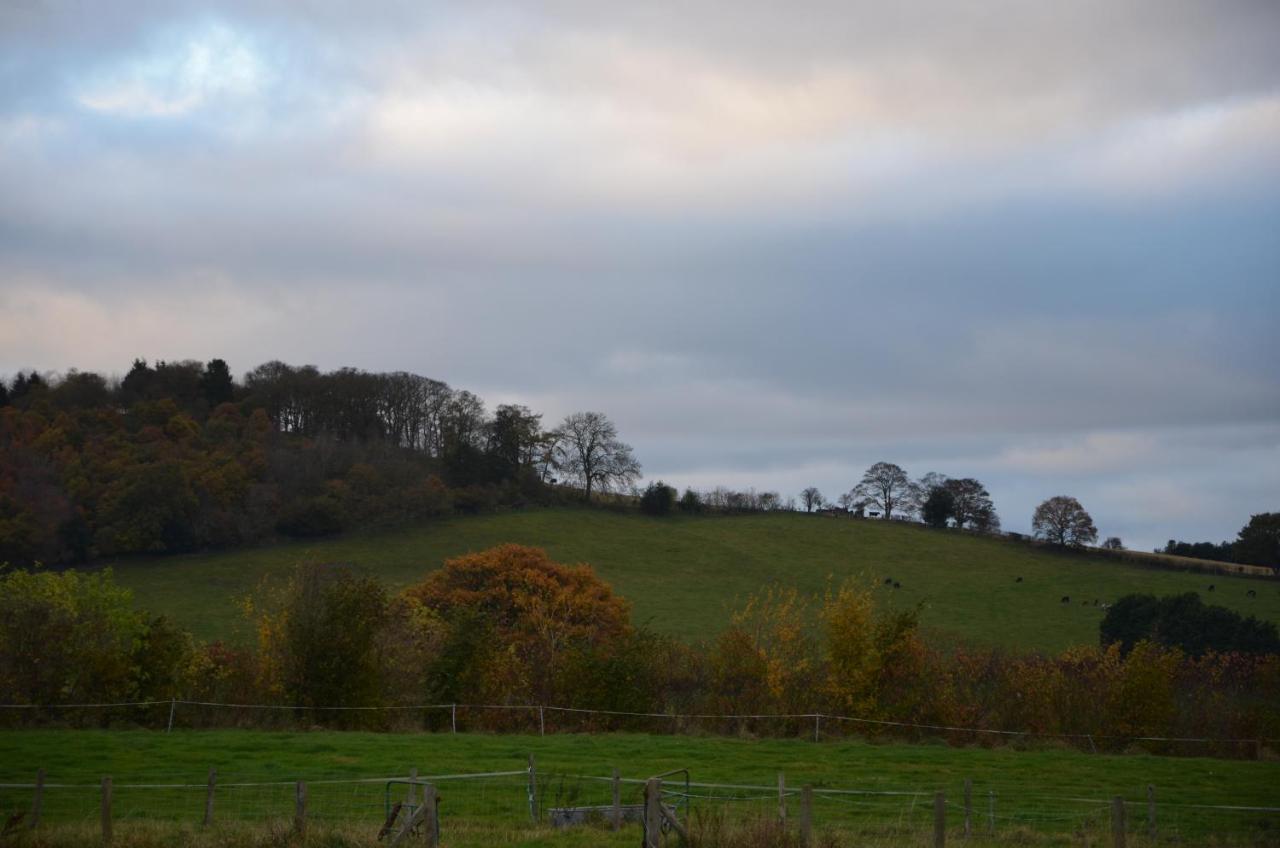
(179, 456)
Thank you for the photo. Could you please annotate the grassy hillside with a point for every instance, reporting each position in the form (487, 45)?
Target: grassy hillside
(685, 575)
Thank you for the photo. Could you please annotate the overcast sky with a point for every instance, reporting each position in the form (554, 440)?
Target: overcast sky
(1035, 243)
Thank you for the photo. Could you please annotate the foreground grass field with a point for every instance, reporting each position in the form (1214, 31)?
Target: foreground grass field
(1038, 796)
(684, 576)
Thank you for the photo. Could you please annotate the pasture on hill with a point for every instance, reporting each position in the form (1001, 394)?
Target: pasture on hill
(686, 575)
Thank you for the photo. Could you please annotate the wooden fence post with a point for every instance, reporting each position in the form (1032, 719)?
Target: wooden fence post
(617, 800)
(431, 821)
(939, 820)
(413, 787)
(1117, 822)
(37, 803)
(1151, 811)
(533, 790)
(817, 727)
(968, 808)
(782, 799)
(173, 706)
(653, 813)
(106, 811)
(453, 717)
(300, 809)
(542, 722)
(806, 815)
(208, 797)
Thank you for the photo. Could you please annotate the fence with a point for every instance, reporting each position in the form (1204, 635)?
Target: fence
(544, 719)
(484, 808)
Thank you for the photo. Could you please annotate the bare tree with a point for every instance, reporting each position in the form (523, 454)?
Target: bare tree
(886, 486)
(812, 499)
(1063, 521)
(592, 455)
(970, 502)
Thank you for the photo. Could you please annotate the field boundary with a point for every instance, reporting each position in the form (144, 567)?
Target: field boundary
(541, 710)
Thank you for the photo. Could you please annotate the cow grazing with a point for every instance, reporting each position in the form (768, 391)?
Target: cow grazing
(1019, 580)
(1210, 587)
(1251, 593)
(888, 581)
(897, 585)
(1066, 599)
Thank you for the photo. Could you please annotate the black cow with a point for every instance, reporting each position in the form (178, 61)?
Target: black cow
(1019, 580)
(1066, 599)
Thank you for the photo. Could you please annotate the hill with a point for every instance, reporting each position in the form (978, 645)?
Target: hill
(685, 576)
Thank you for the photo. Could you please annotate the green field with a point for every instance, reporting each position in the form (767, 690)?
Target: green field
(684, 576)
(162, 776)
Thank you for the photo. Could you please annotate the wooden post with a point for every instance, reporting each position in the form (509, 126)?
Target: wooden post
(431, 821)
(1117, 822)
(300, 809)
(817, 727)
(991, 811)
(939, 820)
(37, 803)
(652, 813)
(453, 717)
(542, 723)
(968, 808)
(806, 815)
(106, 811)
(782, 799)
(173, 705)
(413, 787)
(1151, 812)
(617, 800)
(533, 790)
(208, 797)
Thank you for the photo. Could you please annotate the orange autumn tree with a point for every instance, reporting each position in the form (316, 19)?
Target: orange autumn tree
(524, 614)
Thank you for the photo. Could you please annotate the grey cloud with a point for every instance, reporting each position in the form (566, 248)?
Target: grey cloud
(772, 244)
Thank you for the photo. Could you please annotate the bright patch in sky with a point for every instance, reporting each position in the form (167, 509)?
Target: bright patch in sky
(177, 77)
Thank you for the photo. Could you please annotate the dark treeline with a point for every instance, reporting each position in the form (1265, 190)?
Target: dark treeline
(1258, 543)
(177, 456)
(1219, 552)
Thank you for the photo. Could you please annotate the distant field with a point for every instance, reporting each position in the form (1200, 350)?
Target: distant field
(161, 776)
(684, 576)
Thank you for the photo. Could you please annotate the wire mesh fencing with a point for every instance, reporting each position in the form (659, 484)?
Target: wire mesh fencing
(487, 807)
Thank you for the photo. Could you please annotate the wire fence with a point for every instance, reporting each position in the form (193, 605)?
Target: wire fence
(474, 806)
(545, 719)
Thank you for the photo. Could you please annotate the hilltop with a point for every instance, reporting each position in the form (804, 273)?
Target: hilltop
(685, 575)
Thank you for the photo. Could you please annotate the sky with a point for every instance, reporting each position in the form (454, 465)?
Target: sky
(1033, 243)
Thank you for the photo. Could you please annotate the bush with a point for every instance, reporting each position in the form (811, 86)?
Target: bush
(310, 519)
(1185, 622)
(658, 499)
(68, 637)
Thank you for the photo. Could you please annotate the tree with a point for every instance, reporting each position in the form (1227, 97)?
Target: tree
(812, 499)
(215, 383)
(1063, 521)
(658, 499)
(1113, 543)
(536, 610)
(970, 503)
(690, 502)
(1259, 540)
(593, 456)
(938, 507)
(886, 486)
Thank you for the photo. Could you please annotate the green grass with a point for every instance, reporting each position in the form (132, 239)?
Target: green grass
(1033, 789)
(684, 576)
